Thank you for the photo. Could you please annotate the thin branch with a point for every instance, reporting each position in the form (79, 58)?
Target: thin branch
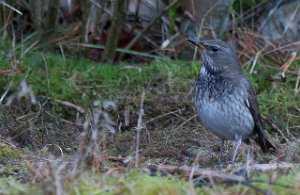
(273, 126)
(271, 166)
(286, 65)
(69, 104)
(138, 129)
(122, 50)
(11, 7)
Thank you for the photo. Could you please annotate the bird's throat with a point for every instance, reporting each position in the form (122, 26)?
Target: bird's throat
(210, 69)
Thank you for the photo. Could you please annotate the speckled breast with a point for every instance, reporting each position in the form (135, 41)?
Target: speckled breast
(224, 113)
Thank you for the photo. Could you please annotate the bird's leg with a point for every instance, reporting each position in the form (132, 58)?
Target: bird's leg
(236, 144)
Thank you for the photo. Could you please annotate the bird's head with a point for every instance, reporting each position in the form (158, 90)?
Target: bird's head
(218, 57)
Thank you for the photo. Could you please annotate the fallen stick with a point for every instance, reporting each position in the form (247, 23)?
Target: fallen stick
(271, 167)
(186, 171)
(69, 104)
(9, 71)
(216, 175)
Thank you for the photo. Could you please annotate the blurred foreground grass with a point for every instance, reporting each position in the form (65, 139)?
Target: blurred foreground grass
(137, 182)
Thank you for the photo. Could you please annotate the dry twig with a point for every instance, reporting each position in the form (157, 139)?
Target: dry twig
(138, 129)
(286, 65)
(69, 104)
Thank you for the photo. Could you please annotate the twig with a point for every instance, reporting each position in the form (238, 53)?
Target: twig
(186, 171)
(217, 176)
(284, 47)
(291, 19)
(195, 166)
(116, 159)
(61, 151)
(11, 7)
(254, 61)
(271, 12)
(286, 65)
(69, 104)
(297, 88)
(47, 73)
(122, 50)
(138, 129)
(186, 121)
(4, 142)
(4, 94)
(271, 166)
(163, 115)
(273, 126)
(9, 71)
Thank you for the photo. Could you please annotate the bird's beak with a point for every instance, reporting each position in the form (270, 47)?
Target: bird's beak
(197, 42)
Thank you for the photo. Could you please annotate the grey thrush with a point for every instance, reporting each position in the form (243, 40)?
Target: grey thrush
(225, 99)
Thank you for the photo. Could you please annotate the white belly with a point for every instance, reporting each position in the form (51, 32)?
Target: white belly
(225, 118)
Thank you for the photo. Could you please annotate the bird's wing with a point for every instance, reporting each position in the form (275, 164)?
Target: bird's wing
(252, 104)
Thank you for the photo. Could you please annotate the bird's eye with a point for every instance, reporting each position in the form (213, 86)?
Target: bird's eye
(215, 49)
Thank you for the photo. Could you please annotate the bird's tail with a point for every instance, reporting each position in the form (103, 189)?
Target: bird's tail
(264, 143)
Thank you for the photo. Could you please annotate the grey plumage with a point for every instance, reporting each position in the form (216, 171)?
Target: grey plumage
(225, 99)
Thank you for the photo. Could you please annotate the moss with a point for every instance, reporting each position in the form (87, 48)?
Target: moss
(81, 81)
(8, 153)
(136, 182)
(11, 186)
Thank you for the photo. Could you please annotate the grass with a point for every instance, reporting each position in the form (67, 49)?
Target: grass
(7, 153)
(137, 182)
(277, 98)
(82, 82)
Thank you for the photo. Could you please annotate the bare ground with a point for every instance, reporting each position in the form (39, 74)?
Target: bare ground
(171, 132)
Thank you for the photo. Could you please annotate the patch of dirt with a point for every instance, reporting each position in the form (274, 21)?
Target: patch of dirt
(172, 133)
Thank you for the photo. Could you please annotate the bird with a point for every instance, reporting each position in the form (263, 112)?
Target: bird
(225, 99)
